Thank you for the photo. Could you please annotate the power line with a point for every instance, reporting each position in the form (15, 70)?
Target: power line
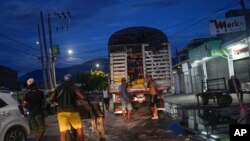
(181, 30)
(20, 43)
(12, 49)
(205, 18)
(8, 47)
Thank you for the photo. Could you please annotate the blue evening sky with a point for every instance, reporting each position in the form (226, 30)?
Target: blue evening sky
(94, 21)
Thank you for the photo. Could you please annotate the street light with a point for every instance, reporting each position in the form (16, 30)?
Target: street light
(96, 65)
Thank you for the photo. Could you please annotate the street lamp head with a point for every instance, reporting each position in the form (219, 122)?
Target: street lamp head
(96, 65)
(37, 42)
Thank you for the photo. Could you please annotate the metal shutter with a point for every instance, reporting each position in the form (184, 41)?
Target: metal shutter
(241, 69)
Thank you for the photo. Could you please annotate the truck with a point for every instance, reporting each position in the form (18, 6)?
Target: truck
(133, 53)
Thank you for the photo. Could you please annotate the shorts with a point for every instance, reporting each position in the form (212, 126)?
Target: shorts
(68, 119)
(106, 100)
(126, 104)
(37, 123)
(153, 100)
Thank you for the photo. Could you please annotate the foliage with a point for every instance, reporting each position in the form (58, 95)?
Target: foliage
(93, 81)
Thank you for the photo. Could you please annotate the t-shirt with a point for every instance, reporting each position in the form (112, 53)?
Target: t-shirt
(35, 100)
(105, 94)
(124, 92)
(66, 97)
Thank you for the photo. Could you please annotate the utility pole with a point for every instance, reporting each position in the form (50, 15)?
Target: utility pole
(48, 68)
(42, 59)
(50, 56)
(54, 50)
(52, 59)
(242, 3)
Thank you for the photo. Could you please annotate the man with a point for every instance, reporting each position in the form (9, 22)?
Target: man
(33, 100)
(66, 95)
(153, 91)
(125, 100)
(106, 97)
(235, 87)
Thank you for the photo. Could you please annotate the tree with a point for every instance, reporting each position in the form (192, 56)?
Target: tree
(93, 81)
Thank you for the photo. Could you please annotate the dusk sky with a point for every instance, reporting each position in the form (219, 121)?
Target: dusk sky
(94, 21)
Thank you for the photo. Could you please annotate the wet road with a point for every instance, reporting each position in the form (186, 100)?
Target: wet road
(143, 128)
(140, 128)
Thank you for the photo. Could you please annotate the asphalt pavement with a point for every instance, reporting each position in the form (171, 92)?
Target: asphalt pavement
(140, 128)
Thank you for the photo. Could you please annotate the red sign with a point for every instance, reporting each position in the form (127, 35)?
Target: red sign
(227, 25)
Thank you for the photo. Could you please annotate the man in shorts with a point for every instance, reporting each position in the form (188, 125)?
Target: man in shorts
(33, 101)
(153, 91)
(68, 116)
(125, 100)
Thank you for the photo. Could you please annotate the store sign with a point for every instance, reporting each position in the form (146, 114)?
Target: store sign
(227, 25)
(240, 53)
(219, 52)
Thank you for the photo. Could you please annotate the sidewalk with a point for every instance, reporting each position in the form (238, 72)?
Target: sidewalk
(190, 99)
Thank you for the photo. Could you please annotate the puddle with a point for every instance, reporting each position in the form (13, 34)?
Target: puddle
(176, 128)
(209, 122)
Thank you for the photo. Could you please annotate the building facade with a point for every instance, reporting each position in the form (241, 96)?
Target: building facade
(222, 56)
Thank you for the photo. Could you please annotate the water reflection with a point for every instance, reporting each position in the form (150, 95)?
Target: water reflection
(176, 128)
(213, 122)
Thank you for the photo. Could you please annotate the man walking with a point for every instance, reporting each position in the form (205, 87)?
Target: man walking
(235, 87)
(153, 91)
(106, 97)
(125, 100)
(33, 100)
(66, 95)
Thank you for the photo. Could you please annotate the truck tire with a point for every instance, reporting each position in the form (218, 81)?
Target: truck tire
(224, 100)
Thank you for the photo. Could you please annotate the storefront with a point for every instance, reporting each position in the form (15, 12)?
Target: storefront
(182, 78)
(241, 69)
(217, 68)
(207, 62)
(197, 76)
(239, 55)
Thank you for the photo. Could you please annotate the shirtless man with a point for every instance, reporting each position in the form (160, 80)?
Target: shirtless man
(153, 91)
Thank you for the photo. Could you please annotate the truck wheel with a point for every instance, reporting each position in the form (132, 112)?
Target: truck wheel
(224, 100)
(204, 100)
